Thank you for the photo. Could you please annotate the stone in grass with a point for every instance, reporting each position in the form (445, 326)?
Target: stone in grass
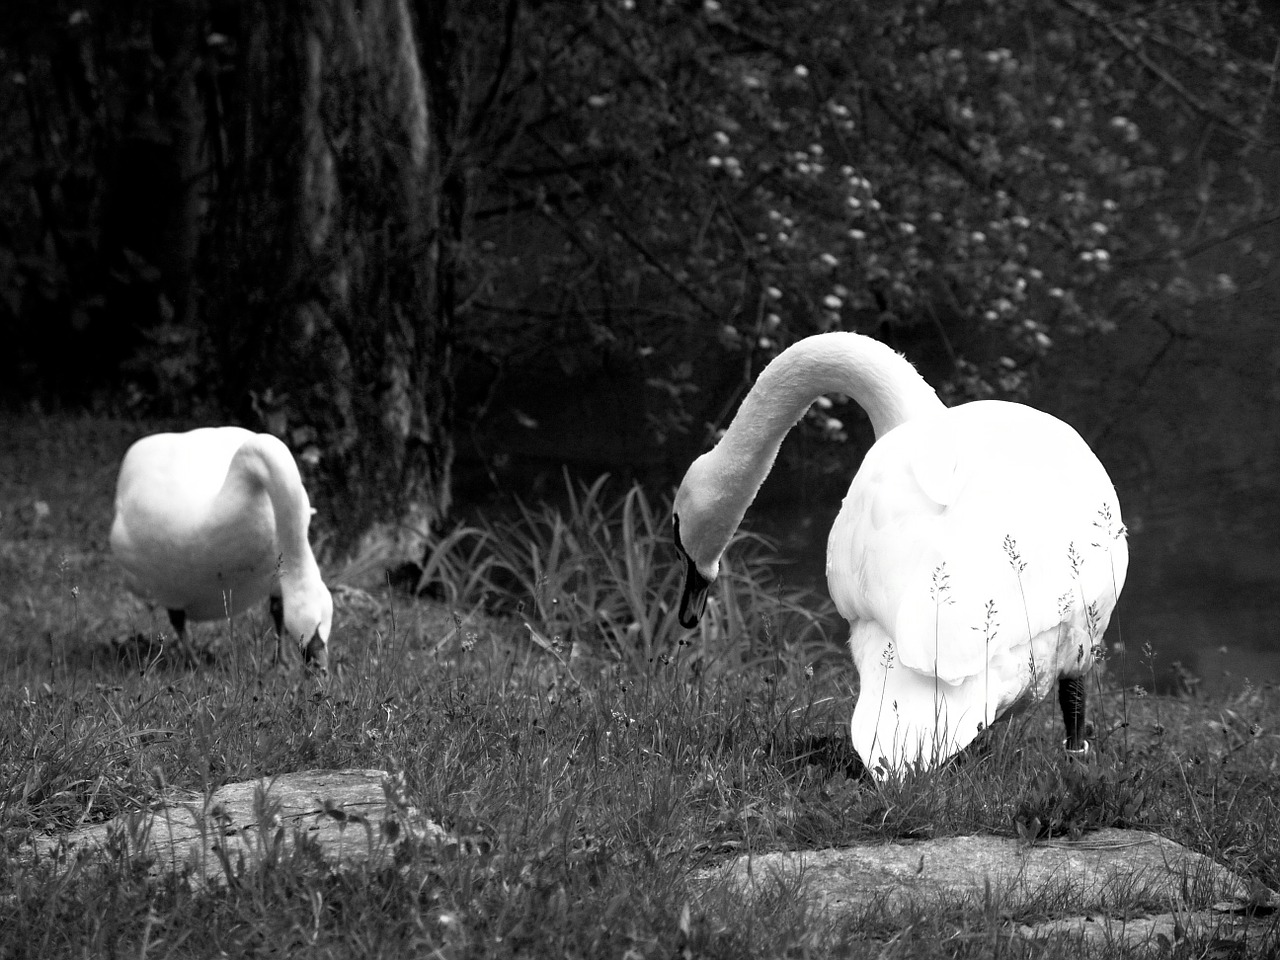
(1109, 886)
(354, 816)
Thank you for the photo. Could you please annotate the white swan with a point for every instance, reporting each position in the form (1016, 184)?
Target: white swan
(210, 522)
(977, 556)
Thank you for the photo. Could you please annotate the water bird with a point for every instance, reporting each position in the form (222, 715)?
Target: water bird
(977, 556)
(214, 520)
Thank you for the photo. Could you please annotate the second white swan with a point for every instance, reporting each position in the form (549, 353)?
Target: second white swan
(214, 520)
(978, 554)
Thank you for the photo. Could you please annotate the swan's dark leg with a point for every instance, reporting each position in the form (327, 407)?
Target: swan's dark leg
(276, 606)
(1071, 697)
(178, 619)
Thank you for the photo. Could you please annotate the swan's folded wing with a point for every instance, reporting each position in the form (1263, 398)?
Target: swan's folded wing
(969, 534)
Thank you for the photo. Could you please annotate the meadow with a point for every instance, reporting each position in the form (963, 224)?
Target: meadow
(532, 687)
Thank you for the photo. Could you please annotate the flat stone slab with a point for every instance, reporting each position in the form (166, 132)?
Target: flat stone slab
(1159, 933)
(352, 815)
(1109, 886)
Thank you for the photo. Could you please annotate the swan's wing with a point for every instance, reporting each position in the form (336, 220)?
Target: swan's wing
(161, 536)
(177, 474)
(966, 535)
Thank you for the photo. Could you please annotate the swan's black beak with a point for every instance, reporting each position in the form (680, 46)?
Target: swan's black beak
(316, 655)
(693, 598)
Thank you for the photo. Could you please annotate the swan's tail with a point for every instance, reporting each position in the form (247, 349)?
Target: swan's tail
(907, 719)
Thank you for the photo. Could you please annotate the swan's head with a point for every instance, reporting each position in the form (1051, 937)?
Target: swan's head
(308, 617)
(704, 520)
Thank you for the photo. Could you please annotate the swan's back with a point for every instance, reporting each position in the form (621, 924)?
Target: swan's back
(174, 472)
(189, 533)
(984, 544)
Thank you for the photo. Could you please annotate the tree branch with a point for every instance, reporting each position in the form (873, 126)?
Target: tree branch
(1200, 106)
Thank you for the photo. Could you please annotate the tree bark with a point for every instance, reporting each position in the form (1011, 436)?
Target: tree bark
(349, 358)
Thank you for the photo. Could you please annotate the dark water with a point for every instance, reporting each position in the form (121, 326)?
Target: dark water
(1206, 598)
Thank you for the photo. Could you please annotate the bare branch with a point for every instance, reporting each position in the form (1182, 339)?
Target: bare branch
(1135, 50)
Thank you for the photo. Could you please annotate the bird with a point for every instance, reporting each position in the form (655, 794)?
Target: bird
(212, 521)
(977, 556)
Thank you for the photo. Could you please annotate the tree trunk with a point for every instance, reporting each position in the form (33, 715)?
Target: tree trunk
(348, 358)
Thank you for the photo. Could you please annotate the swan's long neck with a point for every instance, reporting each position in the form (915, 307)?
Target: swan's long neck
(880, 380)
(267, 461)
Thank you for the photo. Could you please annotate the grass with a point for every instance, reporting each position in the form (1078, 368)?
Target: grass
(546, 707)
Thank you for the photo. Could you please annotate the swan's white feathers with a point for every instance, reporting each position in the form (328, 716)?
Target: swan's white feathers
(214, 520)
(975, 540)
(977, 557)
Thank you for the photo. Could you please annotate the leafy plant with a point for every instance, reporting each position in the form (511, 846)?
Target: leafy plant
(1068, 800)
(600, 574)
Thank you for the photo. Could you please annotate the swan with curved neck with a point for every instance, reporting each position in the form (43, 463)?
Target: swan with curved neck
(214, 520)
(977, 556)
